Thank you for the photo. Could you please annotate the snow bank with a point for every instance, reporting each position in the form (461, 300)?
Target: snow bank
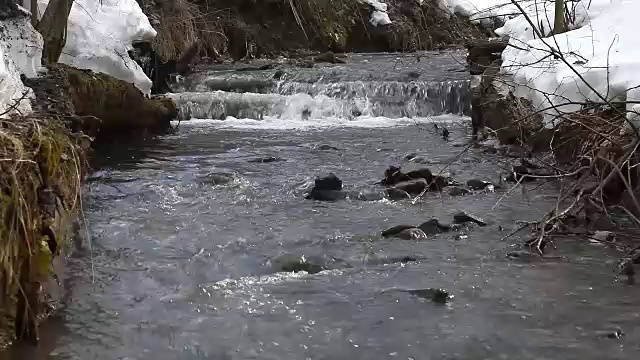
(484, 11)
(379, 15)
(20, 53)
(602, 53)
(99, 34)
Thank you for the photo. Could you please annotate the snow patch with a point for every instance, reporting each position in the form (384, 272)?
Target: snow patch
(20, 53)
(379, 16)
(602, 57)
(99, 35)
(600, 52)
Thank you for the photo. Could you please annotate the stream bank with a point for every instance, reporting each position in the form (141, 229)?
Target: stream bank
(43, 165)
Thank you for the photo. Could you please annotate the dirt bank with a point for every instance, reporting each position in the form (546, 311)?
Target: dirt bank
(249, 28)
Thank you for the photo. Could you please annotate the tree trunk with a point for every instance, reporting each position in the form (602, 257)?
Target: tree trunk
(559, 25)
(34, 12)
(53, 27)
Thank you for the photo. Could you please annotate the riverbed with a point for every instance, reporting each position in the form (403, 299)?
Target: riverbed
(187, 231)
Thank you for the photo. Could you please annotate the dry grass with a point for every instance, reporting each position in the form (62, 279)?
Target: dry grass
(184, 23)
(40, 179)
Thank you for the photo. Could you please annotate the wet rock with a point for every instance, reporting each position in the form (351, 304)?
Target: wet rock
(328, 182)
(475, 184)
(462, 217)
(265, 159)
(602, 236)
(298, 263)
(438, 296)
(306, 114)
(411, 234)
(445, 134)
(413, 187)
(456, 190)
(326, 195)
(218, 178)
(329, 57)
(356, 113)
(615, 334)
(366, 195)
(440, 182)
(394, 175)
(327, 188)
(278, 75)
(325, 147)
(434, 226)
(397, 194)
(405, 232)
(392, 231)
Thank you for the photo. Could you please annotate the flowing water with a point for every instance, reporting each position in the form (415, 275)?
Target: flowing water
(187, 231)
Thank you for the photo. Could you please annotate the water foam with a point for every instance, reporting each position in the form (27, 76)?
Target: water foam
(277, 123)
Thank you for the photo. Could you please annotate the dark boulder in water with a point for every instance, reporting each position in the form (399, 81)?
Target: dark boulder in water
(438, 296)
(327, 188)
(397, 194)
(394, 175)
(298, 263)
(413, 187)
(396, 230)
(328, 182)
(475, 184)
(405, 232)
(462, 217)
(411, 234)
(433, 227)
(279, 74)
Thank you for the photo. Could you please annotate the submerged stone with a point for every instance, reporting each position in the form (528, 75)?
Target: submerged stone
(298, 263)
(411, 234)
(265, 159)
(438, 296)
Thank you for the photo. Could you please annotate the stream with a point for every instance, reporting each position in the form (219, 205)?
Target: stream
(188, 232)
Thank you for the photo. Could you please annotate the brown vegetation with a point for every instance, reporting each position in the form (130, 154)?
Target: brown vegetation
(249, 28)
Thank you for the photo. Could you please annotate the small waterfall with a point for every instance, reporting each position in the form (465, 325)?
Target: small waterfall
(420, 98)
(292, 100)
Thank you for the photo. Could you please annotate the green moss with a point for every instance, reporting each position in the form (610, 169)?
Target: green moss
(116, 107)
